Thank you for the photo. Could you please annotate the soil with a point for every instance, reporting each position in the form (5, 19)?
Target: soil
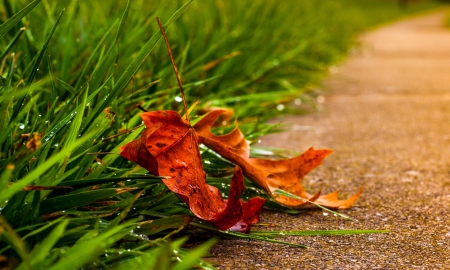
(386, 116)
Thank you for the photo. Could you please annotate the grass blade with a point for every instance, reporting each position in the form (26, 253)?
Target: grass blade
(69, 117)
(33, 175)
(41, 250)
(192, 258)
(124, 79)
(290, 195)
(15, 19)
(314, 232)
(81, 254)
(78, 199)
(13, 239)
(11, 44)
(35, 67)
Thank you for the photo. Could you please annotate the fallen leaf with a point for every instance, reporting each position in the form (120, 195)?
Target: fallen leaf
(285, 174)
(169, 147)
(223, 119)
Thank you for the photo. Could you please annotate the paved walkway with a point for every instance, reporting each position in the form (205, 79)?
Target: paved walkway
(388, 119)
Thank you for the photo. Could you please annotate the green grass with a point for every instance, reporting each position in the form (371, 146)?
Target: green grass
(73, 72)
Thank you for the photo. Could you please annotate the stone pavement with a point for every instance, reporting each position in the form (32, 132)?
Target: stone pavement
(387, 117)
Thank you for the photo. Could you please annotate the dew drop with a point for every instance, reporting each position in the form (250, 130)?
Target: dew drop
(178, 99)
(21, 125)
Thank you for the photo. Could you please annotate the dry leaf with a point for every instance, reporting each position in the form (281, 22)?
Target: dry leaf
(169, 147)
(285, 174)
(35, 141)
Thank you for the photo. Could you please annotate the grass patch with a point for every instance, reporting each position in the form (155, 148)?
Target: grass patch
(71, 74)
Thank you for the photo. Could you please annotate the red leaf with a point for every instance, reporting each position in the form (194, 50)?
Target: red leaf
(169, 147)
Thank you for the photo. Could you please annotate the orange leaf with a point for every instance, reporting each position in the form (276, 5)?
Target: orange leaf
(285, 174)
(169, 147)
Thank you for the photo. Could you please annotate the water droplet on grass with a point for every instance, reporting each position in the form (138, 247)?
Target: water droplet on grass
(280, 107)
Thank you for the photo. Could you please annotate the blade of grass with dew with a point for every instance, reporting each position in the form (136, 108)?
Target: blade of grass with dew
(12, 125)
(192, 258)
(94, 52)
(67, 87)
(59, 125)
(231, 234)
(42, 227)
(33, 175)
(74, 129)
(97, 181)
(70, 201)
(77, 256)
(35, 67)
(124, 212)
(41, 250)
(161, 224)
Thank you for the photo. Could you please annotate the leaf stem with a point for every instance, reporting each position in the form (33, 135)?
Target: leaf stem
(174, 68)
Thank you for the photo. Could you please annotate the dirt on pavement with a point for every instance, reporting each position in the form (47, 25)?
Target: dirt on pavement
(387, 117)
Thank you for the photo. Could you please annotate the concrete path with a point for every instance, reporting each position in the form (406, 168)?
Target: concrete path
(387, 118)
